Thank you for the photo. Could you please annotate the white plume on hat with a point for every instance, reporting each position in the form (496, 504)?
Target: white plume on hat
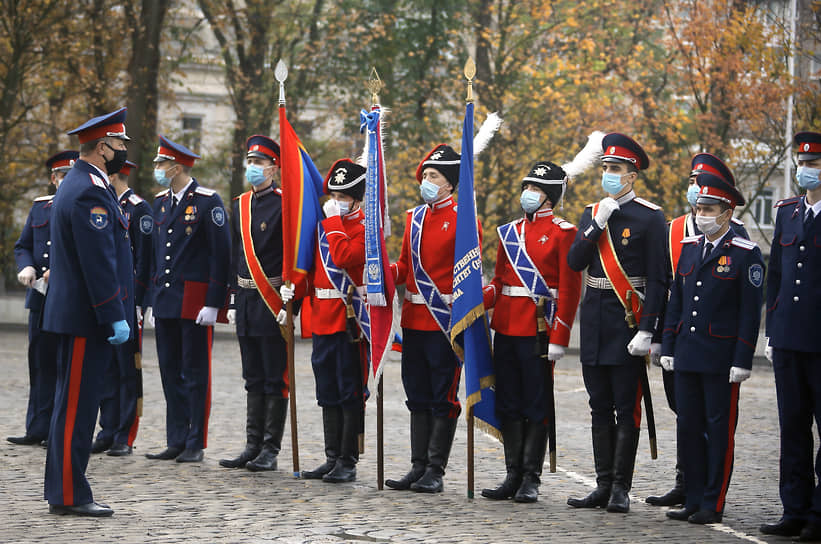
(589, 156)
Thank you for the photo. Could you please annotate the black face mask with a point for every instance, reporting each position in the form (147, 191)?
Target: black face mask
(116, 164)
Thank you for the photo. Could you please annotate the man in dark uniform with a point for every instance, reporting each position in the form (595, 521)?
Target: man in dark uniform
(336, 359)
(621, 242)
(793, 299)
(31, 254)
(538, 242)
(89, 305)
(189, 286)
(710, 331)
(120, 407)
(679, 228)
(256, 228)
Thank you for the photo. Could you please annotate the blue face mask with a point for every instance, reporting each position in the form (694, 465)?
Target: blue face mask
(531, 200)
(254, 174)
(692, 194)
(429, 191)
(808, 177)
(611, 183)
(161, 178)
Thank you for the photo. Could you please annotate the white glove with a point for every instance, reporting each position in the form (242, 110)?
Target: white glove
(286, 293)
(27, 276)
(282, 317)
(738, 374)
(640, 344)
(148, 318)
(655, 354)
(667, 363)
(139, 313)
(232, 316)
(768, 351)
(555, 352)
(606, 208)
(207, 316)
(331, 207)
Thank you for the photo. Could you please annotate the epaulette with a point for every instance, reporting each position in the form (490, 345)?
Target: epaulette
(97, 180)
(204, 191)
(43, 198)
(736, 221)
(135, 199)
(564, 225)
(278, 190)
(162, 193)
(590, 205)
(691, 239)
(786, 201)
(647, 203)
(743, 243)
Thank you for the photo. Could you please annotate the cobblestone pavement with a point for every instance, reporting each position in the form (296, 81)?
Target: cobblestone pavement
(157, 501)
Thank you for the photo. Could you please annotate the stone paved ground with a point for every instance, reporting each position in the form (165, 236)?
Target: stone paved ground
(157, 501)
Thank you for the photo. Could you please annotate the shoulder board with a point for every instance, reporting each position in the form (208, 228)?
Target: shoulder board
(590, 205)
(564, 225)
(737, 221)
(162, 193)
(787, 201)
(743, 243)
(45, 198)
(204, 191)
(278, 190)
(647, 203)
(237, 197)
(455, 207)
(135, 199)
(691, 239)
(97, 180)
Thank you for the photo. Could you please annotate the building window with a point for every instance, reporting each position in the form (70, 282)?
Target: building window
(762, 208)
(192, 132)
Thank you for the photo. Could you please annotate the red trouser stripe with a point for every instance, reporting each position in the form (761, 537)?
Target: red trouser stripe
(132, 431)
(637, 407)
(454, 387)
(728, 455)
(75, 380)
(207, 392)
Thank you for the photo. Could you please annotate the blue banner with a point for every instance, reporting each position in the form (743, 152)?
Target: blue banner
(470, 333)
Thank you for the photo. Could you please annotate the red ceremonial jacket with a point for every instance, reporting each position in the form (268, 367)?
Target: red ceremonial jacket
(547, 241)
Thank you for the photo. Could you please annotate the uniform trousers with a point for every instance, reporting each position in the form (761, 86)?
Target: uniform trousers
(265, 364)
(520, 378)
(118, 408)
(430, 373)
(42, 359)
(337, 370)
(184, 353)
(615, 393)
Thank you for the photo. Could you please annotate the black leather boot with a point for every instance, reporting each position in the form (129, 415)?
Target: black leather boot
(332, 432)
(276, 408)
(675, 496)
(345, 467)
(254, 422)
(603, 442)
(513, 435)
(420, 424)
(532, 462)
(441, 440)
(627, 440)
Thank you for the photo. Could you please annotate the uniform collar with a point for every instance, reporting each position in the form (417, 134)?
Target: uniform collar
(816, 208)
(125, 193)
(102, 174)
(267, 191)
(717, 243)
(442, 204)
(181, 194)
(358, 215)
(627, 197)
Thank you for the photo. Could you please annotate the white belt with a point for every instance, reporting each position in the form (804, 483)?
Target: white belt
(417, 298)
(325, 294)
(604, 283)
(521, 291)
(246, 283)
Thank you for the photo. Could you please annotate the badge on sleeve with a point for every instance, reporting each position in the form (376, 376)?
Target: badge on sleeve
(218, 216)
(146, 224)
(99, 217)
(756, 274)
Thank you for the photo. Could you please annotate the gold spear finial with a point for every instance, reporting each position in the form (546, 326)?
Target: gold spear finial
(375, 86)
(470, 73)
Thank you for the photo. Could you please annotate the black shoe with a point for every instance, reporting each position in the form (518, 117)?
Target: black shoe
(784, 527)
(619, 499)
(704, 517)
(248, 454)
(44, 443)
(513, 432)
(340, 474)
(420, 426)
(810, 533)
(506, 490)
(100, 445)
(408, 479)
(166, 455)
(119, 450)
(190, 456)
(529, 490)
(266, 460)
(345, 468)
(672, 498)
(682, 514)
(430, 482)
(23, 440)
(598, 498)
(318, 472)
(91, 509)
(604, 439)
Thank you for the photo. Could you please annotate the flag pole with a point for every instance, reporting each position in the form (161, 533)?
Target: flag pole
(470, 73)
(281, 74)
(375, 85)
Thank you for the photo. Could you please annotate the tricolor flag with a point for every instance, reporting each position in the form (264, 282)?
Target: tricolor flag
(470, 333)
(301, 212)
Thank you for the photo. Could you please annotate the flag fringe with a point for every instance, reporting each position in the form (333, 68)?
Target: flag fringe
(471, 316)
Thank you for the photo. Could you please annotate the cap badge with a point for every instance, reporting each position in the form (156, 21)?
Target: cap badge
(806, 147)
(339, 177)
(612, 149)
(540, 171)
(437, 155)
